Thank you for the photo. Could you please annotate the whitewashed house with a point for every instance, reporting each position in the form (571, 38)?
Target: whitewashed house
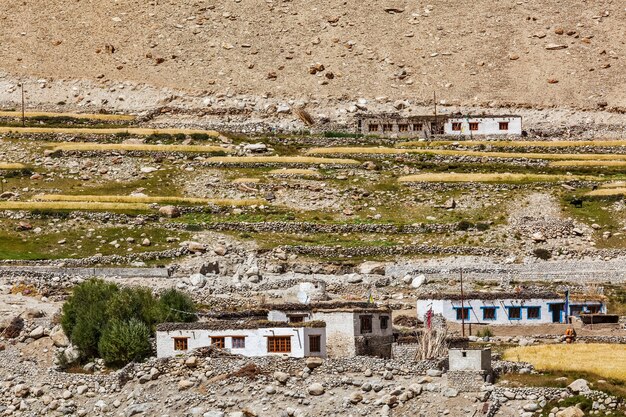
(482, 125)
(247, 338)
(506, 308)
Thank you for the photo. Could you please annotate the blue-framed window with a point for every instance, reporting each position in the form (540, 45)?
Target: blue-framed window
(514, 312)
(533, 312)
(462, 313)
(490, 313)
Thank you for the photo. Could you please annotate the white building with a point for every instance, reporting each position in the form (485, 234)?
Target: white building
(352, 328)
(506, 308)
(247, 338)
(483, 125)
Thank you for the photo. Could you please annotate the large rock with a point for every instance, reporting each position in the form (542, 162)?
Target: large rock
(578, 386)
(281, 377)
(418, 281)
(169, 211)
(372, 268)
(316, 389)
(137, 409)
(571, 412)
(313, 363)
(37, 333)
(197, 280)
(11, 326)
(59, 338)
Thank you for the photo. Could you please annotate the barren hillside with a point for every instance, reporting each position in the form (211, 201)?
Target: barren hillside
(550, 52)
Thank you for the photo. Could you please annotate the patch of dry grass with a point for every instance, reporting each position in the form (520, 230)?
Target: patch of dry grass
(606, 192)
(519, 144)
(9, 166)
(503, 177)
(452, 152)
(72, 206)
(606, 360)
(588, 164)
(137, 131)
(116, 117)
(280, 160)
(295, 171)
(129, 199)
(246, 180)
(105, 147)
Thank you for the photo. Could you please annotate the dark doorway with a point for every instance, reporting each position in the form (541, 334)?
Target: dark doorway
(557, 310)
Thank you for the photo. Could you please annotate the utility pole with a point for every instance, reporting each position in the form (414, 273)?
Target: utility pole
(462, 306)
(436, 118)
(23, 106)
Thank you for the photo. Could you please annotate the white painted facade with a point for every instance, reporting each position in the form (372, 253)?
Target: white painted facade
(506, 311)
(343, 327)
(256, 341)
(484, 125)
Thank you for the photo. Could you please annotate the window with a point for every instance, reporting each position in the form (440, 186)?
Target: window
(473, 126)
(373, 128)
(315, 344)
(180, 343)
(279, 344)
(515, 313)
(456, 126)
(384, 322)
(403, 128)
(366, 324)
(387, 127)
(489, 313)
(239, 342)
(218, 342)
(296, 319)
(417, 127)
(534, 313)
(462, 313)
(504, 125)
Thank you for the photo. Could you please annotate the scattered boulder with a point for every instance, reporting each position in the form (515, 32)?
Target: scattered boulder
(316, 389)
(578, 386)
(570, 412)
(169, 211)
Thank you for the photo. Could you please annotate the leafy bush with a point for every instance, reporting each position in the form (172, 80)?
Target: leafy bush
(199, 136)
(101, 319)
(176, 306)
(464, 225)
(124, 342)
(486, 332)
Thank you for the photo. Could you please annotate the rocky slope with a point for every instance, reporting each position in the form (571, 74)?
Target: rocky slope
(539, 53)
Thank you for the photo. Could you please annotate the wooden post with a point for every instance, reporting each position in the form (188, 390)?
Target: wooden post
(23, 107)
(462, 307)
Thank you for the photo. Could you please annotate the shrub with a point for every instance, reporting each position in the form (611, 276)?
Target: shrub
(486, 332)
(134, 303)
(124, 341)
(176, 306)
(180, 136)
(199, 136)
(542, 254)
(85, 314)
(464, 225)
(482, 226)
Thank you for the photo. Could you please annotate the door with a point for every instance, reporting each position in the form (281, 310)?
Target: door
(557, 310)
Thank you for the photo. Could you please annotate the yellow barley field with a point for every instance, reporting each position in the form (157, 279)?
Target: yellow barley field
(246, 180)
(87, 147)
(295, 171)
(129, 199)
(280, 160)
(519, 144)
(137, 131)
(9, 166)
(503, 177)
(588, 164)
(606, 192)
(92, 116)
(451, 152)
(69, 205)
(606, 360)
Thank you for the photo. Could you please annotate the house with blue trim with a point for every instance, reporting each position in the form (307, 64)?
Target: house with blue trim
(507, 308)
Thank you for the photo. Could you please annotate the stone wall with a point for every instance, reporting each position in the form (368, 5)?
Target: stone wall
(379, 346)
(468, 381)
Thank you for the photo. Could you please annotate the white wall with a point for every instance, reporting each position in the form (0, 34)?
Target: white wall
(486, 126)
(448, 309)
(255, 345)
(339, 333)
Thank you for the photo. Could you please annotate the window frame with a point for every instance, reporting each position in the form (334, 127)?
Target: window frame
(467, 315)
(279, 344)
(238, 339)
(385, 320)
(457, 126)
(518, 308)
(372, 127)
(315, 347)
(184, 340)
(505, 124)
(403, 127)
(490, 308)
(387, 127)
(296, 318)
(364, 319)
(538, 309)
(218, 342)
(418, 127)
(473, 126)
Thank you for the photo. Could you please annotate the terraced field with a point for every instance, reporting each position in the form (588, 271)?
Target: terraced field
(411, 199)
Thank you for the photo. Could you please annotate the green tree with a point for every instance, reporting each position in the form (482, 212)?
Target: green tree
(124, 341)
(176, 306)
(134, 303)
(84, 314)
